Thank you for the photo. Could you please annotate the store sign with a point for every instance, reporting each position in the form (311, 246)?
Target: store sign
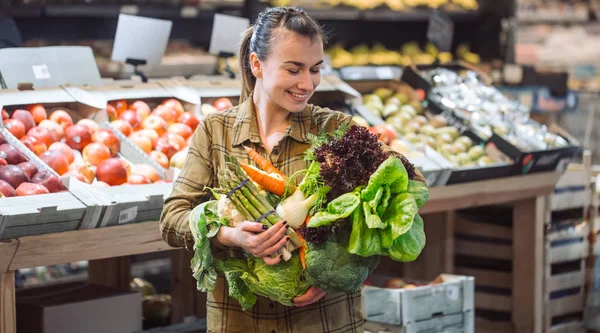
(440, 31)
(141, 38)
(226, 33)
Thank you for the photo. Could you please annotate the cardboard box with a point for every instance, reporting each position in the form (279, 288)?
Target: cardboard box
(44, 213)
(101, 203)
(77, 308)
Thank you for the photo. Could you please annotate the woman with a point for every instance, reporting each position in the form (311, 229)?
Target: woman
(280, 58)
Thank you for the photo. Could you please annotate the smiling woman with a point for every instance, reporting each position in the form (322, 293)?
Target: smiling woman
(281, 58)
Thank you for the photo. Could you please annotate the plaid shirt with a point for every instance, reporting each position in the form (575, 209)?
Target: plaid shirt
(225, 133)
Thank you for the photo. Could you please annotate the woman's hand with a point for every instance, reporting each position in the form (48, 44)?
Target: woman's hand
(312, 295)
(256, 239)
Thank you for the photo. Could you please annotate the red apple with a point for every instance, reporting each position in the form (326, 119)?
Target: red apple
(108, 138)
(112, 172)
(147, 171)
(33, 144)
(155, 123)
(13, 175)
(77, 175)
(43, 134)
(166, 148)
(62, 118)
(56, 160)
(120, 106)
(132, 118)
(222, 104)
(141, 108)
(15, 127)
(4, 115)
(178, 159)
(138, 180)
(78, 136)
(182, 130)
(27, 188)
(7, 190)
(25, 117)
(189, 119)
(48, 180)
(29, 168)
(151, 134)
(175, 105)
(122, 126)
(111, 112)
(11, 154)
(174, 139)
(166, 113)
(65, 149)
(3, 162)
(127, 166)
(160, 158)
(90, 124)
(58, 131)
(142, 141)
(38, 112)
(95, 153)
(87, 171)
(100, 184)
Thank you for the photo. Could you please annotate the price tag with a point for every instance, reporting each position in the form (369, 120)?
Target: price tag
(41, 72)
(384, 73)
(513, 73)
(128, 215)
(189, 12)
(440, 31)
(130, 9)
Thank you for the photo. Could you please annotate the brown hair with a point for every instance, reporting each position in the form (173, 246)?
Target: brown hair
(260, 36)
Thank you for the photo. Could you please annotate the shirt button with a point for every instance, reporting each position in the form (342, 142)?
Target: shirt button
(273, 331)
(271, 305)
(275, 151)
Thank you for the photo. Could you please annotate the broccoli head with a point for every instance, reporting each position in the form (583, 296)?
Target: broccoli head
(330, 267)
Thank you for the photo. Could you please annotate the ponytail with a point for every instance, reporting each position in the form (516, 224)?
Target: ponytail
(248, 79)
(259, 38)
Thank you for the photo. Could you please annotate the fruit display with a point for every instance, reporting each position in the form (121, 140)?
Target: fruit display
(79, 149)
(21, 177)
(485, 109)
(163, 132)
(396, 5)
(410, 53)
(404, 114)
(220, 104)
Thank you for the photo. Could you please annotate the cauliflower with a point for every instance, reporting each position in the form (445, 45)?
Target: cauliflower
(227, 210)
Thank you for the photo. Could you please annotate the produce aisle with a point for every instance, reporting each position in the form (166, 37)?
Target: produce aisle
(480, 95)
(526, 194)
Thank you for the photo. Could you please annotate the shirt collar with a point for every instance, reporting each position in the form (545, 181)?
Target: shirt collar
(246, 124)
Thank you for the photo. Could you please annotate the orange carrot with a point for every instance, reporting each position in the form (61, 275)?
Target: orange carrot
(268, 181)
(263, 163)
(302, 250)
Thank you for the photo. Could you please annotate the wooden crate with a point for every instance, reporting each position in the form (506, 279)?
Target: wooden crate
(573, 189)
(450, 295)
(483, 249)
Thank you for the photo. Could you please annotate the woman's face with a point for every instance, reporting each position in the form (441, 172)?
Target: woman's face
(292, 70)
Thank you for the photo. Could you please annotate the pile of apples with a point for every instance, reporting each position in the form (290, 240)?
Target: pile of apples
(20, 177)
(163, 133)
(82, 150)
